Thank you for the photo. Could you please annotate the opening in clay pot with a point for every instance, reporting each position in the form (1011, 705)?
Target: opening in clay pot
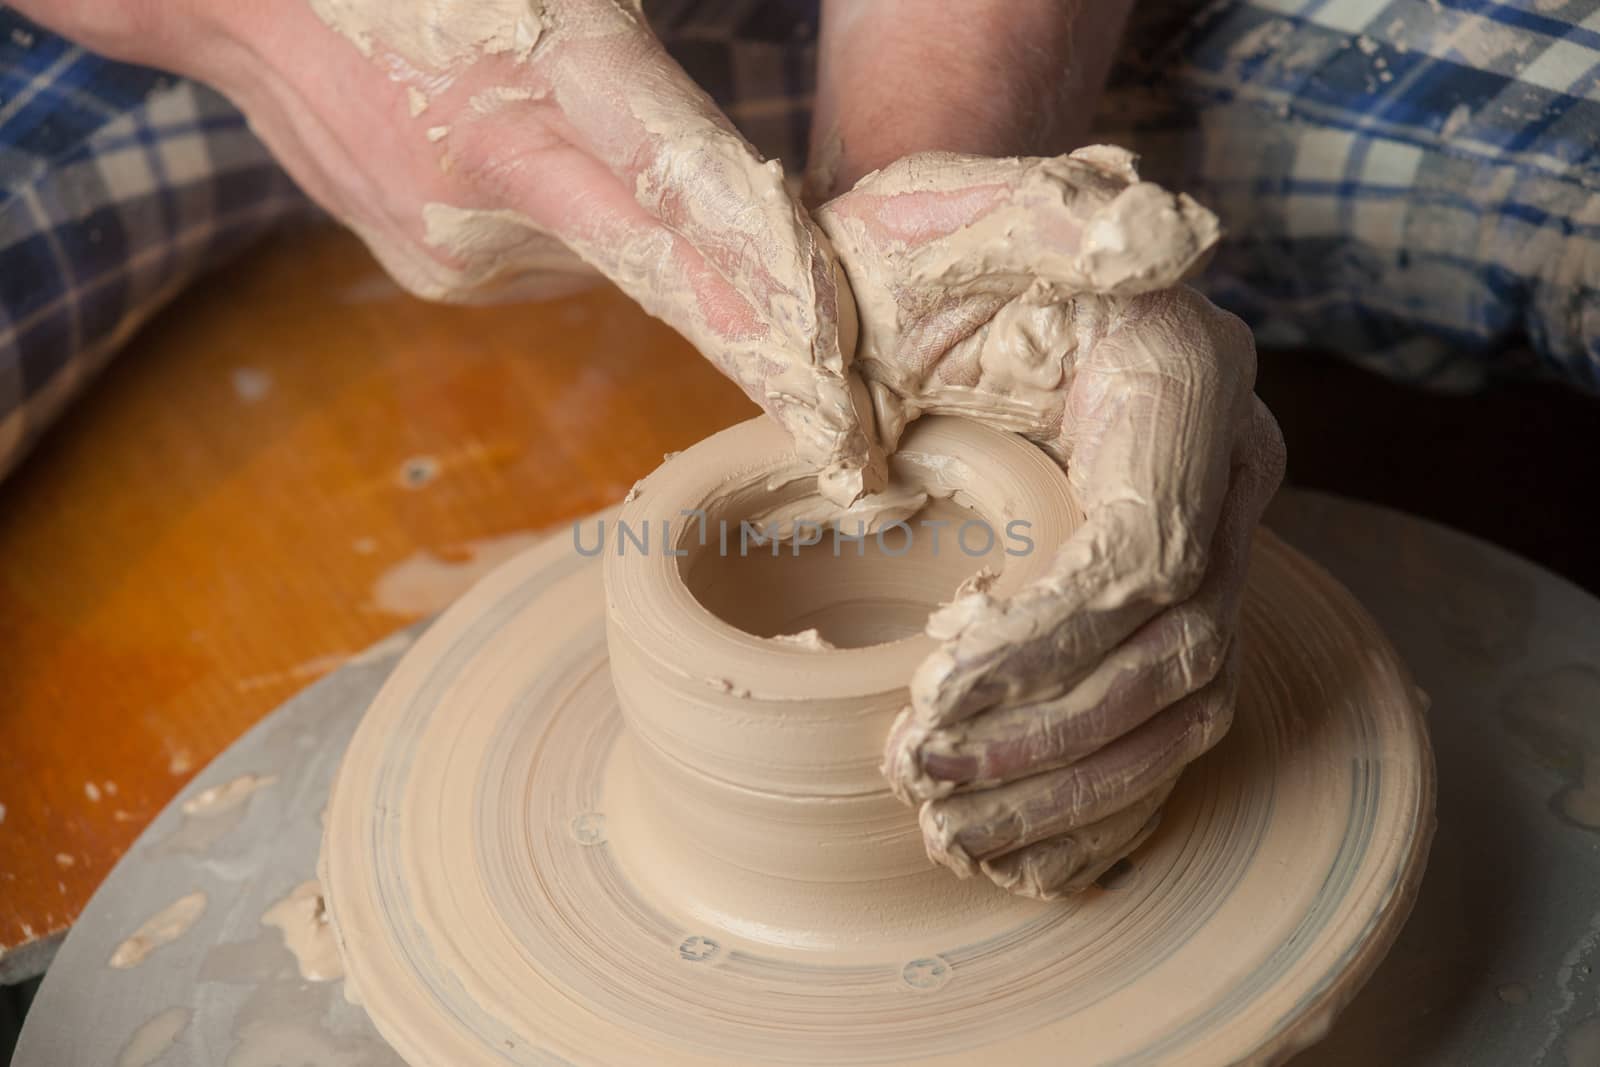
(853, 589)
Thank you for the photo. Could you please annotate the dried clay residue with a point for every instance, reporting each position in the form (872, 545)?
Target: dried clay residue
(1583, 1042)
(1553, 713)
(1513, 993)
(251, 384)
(153, 1039)
(811, 640)
(162, 928)
(225, 797)
(315, 667)
(425, 582)
(213, 813)
(302, 918)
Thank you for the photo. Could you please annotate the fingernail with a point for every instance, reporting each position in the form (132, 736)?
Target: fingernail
(905, 762)
(896, 766)
(941, 845)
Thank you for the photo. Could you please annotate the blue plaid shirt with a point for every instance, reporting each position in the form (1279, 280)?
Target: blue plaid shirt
(1414, 183)
(118, 185)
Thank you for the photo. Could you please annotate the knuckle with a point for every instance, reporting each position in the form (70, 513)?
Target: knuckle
(1180, 562)
(941, 838)
(1220, 721)
(1159, 553)
(1204, 650)
(1214, 715)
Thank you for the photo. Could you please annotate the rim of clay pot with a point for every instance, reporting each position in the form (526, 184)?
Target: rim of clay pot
(750, 468)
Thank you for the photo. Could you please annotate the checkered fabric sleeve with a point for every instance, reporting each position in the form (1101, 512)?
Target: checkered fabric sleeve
(1413, 183)
(118, 185)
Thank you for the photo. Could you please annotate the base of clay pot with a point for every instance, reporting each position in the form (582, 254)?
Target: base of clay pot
(503, 895)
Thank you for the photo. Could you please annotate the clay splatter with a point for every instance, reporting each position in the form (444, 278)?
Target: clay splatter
(1513, 993)
(152, 1040)
(162, 928)
(302, 918)
(315, 667)
(1553, 713)
(251, 384)
(425, 582)
(220, 798)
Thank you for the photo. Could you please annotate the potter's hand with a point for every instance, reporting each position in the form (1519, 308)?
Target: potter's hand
(1036, 294)
(473, 143)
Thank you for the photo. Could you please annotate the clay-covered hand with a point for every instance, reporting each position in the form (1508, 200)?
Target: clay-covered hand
(1041, 296)
(477, 144)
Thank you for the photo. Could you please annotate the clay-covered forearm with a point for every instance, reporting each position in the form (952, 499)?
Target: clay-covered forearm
(987, 77)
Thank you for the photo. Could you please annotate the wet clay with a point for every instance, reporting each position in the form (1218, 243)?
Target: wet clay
(639, 819)
(153, 1040)
(759, 766)
(162, 928)
(226, 797)
(302, 919)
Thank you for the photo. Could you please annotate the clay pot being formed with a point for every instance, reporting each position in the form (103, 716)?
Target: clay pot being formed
(749, 782)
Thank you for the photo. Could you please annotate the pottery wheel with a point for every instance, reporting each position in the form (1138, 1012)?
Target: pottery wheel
(486, 916)
(1499, 963)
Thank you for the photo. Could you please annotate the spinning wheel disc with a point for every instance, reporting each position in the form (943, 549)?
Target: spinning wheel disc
(486, 891)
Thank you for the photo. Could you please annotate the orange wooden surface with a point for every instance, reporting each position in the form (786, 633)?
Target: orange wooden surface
(292, 461)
